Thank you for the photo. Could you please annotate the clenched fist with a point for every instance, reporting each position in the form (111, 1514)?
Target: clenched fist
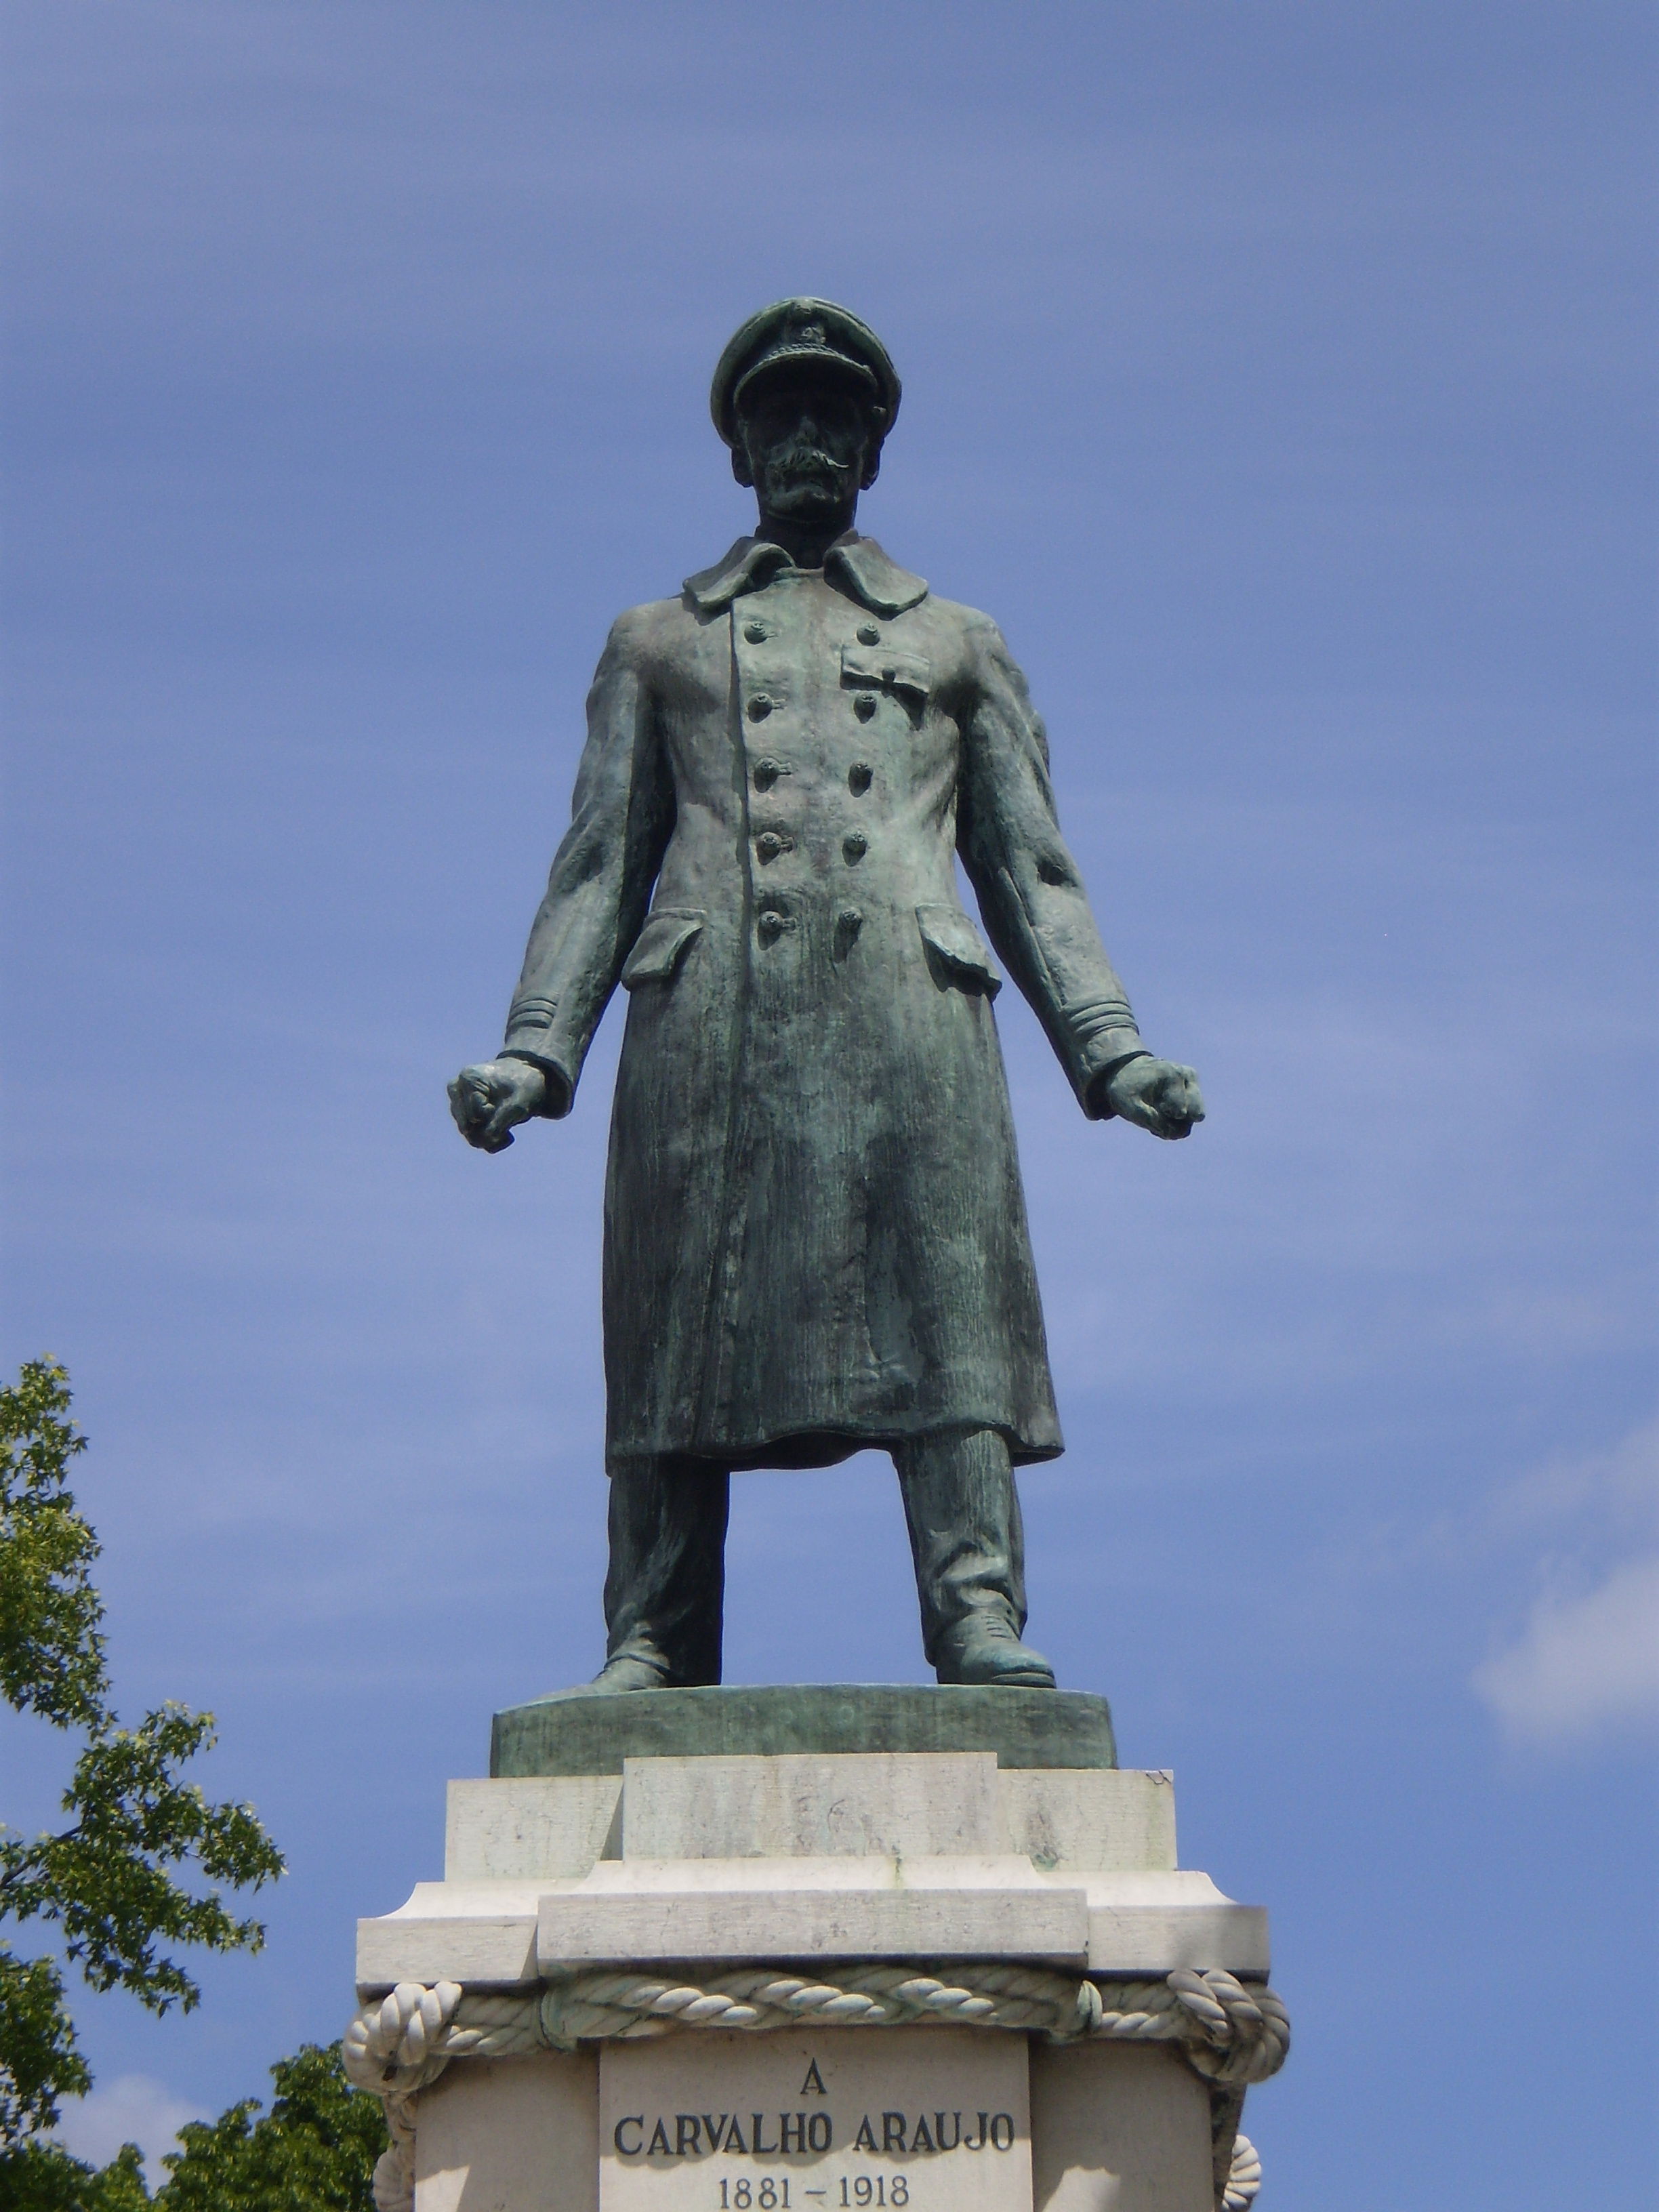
(1159, 1094)
(488, 1100)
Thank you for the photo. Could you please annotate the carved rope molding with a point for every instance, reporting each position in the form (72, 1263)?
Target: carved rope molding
(1233, 2033)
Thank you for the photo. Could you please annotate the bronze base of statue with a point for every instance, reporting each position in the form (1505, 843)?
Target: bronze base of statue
(590, 1731)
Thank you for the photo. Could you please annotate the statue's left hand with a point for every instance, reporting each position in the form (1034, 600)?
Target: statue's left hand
(1158, 1094)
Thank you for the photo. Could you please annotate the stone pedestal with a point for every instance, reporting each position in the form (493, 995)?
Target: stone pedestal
(808, 1950)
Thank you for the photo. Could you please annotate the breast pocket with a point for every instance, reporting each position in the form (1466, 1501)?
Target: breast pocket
(660, 947)
(872, 670)
(955, 951)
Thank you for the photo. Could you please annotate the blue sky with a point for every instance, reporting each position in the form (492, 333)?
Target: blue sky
(1279, 376)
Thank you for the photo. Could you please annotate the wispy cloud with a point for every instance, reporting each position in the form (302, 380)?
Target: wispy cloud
(132, 2108)
(1588, 1660)
(1583, 1665)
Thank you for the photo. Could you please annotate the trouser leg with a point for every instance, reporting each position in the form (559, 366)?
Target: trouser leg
(966, 1534)
(665, 1586)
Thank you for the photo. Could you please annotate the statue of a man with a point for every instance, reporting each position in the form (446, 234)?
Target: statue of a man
(814, 1235)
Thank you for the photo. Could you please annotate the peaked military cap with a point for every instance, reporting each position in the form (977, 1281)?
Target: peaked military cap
(811, 330)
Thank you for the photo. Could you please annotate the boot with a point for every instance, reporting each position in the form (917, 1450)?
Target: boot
(665, 1588)
(985, 1649)
(969, 1543)
(635, 1669)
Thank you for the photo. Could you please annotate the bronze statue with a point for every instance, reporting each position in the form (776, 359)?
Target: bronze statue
(815, 1233)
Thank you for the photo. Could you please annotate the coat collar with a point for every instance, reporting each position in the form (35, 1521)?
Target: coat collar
(854, 565)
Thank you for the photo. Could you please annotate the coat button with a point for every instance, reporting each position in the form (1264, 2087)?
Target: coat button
(849, 922)
(766, 772)
(854, 845)
(755, 632)
(864, 706)
(759, 707)
(770, 926)
(869, 634)
(769, 844)
(858, 778)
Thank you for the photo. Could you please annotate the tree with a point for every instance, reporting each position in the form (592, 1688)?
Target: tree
(42, 2177)
(315, 2151)
(105, 1881)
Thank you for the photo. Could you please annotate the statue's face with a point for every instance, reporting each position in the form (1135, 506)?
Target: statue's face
(806, 444)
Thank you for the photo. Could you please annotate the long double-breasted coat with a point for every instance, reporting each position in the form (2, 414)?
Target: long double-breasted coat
(815, 1232)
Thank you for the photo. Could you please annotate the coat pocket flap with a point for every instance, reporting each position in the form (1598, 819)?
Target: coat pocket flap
(955, 946)
(879, 666)
(659, 947)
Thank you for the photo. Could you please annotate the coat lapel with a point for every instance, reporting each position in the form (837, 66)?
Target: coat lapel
(748, 564)
(854, 565)
(860, 567)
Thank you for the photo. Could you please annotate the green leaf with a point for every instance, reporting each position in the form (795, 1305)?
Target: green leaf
(44, 2177)
(313, 2152)
(39, 2062)
(52, 1642)
(105, 1878)
(106, 1881)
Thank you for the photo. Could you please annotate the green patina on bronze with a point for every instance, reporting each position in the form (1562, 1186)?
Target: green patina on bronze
(815, 1231)
(583, 1732)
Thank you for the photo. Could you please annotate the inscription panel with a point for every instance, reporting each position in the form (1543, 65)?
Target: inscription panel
(914, 2119)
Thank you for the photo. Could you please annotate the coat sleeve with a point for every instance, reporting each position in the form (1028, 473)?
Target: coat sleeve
(600, 885)
(1030, 893)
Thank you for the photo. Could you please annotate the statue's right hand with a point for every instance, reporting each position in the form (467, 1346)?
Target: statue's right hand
(488, 1100)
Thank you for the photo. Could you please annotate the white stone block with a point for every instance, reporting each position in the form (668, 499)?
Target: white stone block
(858, 1804)
(770, 1909)
(510, 2135)
(541, 1829)
(844, 2117)
(1069, 1819)
(904, 1805)
(495, 1934)
(1150, 1923)
(481, 1934)
(1118, 2127)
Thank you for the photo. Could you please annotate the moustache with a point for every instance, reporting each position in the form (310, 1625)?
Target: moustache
(800, 458)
